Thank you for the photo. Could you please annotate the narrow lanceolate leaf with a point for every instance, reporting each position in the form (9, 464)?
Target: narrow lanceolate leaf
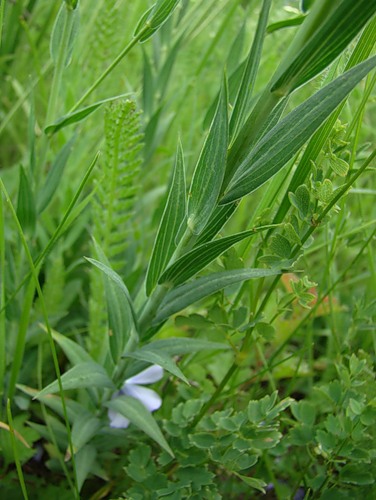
(160, 358)
(172, 218)
(78, 115)
(81, 376)
(73, 351)
(249, 76)
(54, 176)
(179, 345)
(85, 427)
(122, 318)
(26, 211)
(332, 37)
(184, 295)
(281, 143)
(286, 23)
(208, 175)
(135, 411)
(217, 220)
(198, 258)
(65, 27)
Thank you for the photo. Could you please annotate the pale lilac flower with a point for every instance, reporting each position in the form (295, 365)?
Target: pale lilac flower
(131, 387)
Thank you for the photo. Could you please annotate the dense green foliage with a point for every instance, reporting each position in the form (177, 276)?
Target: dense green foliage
(186, 200)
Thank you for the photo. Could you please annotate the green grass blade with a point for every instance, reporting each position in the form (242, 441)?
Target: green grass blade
(197, 259)
(34, 284)
(286, 23)
(54, 176)
(81, 376)
(2, 301)
(209, 172)
(173, 216)
(135, 411)
(250, 73)
(78, 115)
(73, 351)
(330, 39)
(286, 138)
(116, 279)
(179, 346)
(26, 210)
(184, 295)
(65, 222)
(15, 452)
(2, 8)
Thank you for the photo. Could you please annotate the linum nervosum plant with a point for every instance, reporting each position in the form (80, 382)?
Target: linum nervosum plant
(187, 198)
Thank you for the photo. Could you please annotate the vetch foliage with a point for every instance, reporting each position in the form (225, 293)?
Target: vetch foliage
(198, 321)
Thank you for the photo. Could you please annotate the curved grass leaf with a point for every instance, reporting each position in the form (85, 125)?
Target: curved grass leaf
(286, 23)
(280, 144)
(66, 25)
(135, 411)
(121, 314)
(208, 175)
(81, 376)
(78, 115)
(156, 357)
(250, 72)
(54, 176)
(179, 345)
(330, 39)
(84, 428)
(184, 295)
(26, 210)
(73, 351)
(198, 258)
(172, 218)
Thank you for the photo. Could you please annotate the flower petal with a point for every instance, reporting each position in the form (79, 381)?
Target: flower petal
(148, 376)
(149, 398)
(117, 421)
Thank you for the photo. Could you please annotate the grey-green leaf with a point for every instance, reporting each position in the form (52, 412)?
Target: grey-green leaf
(198, 258)
(330, 39)
(249, 77)
(157, 357)
(121, 314)
(217, 220)
(78, 115)
(54, 176)
(64, 33)
(135, 411)
(26, 211)
(184, 295)
(81, 376)
(73, 351)
(209, 172)
(84, 428)
(181, 345)
(172, 218)
(281, 143)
